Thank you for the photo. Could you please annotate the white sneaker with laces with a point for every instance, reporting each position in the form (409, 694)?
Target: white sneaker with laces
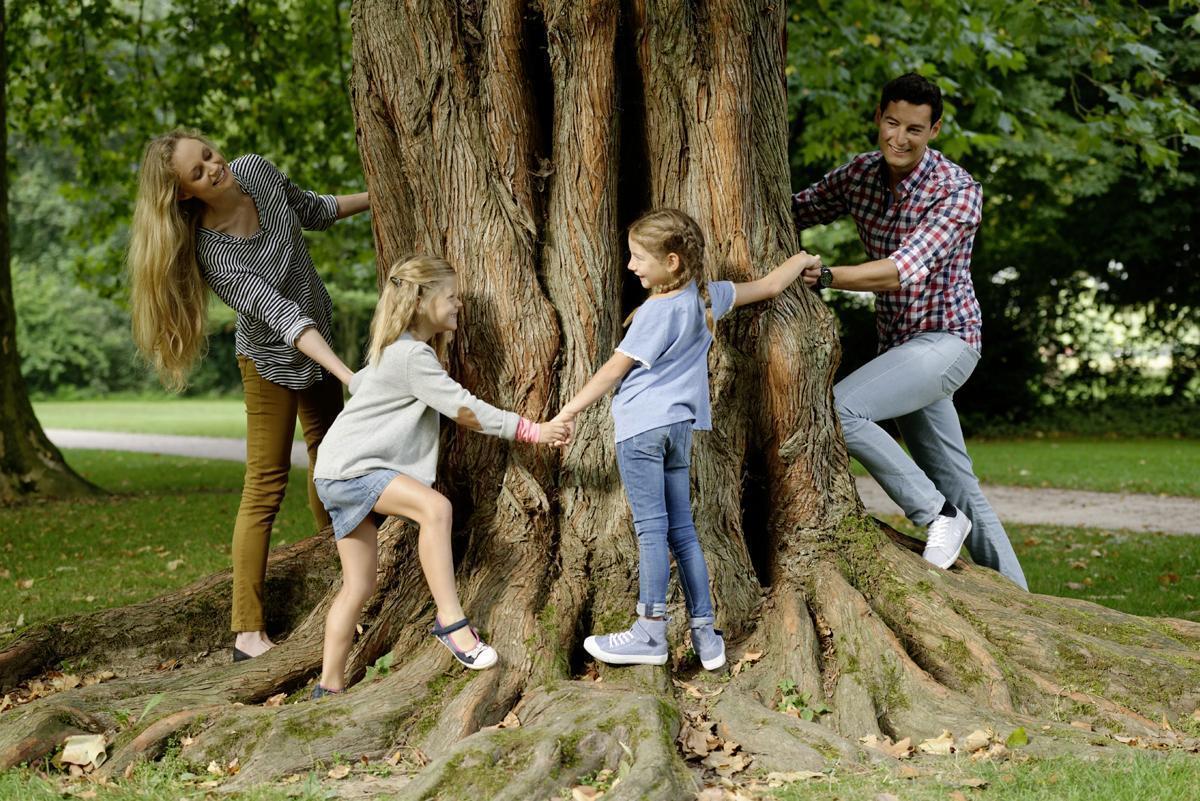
(945, 538)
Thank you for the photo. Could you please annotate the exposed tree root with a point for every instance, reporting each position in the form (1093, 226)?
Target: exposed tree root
(571, 730)
(185, 622)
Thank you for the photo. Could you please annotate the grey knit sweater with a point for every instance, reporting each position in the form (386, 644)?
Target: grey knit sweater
(391, 421)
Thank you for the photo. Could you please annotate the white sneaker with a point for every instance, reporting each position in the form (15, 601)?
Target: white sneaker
(945, 539)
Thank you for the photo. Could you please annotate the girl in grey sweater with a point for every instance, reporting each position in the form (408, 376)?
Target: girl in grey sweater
(380, 456)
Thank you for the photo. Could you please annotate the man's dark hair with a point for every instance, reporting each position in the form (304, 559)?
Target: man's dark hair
(915, 89)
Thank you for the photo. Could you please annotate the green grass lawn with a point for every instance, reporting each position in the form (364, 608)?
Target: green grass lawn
(198, 417)
(1156, 575)
(169, 522)
(1128, 776)
(1160, 466)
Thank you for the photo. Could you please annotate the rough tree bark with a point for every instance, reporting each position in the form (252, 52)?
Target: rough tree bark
(518, 139)
(29, 464)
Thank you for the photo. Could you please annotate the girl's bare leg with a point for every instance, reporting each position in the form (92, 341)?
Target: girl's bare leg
(359, 554)
(431, 511)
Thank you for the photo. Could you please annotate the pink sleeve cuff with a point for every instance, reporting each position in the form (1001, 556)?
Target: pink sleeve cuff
(528, 431)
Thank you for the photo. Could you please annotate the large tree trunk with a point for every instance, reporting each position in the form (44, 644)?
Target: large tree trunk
(29, 464)
(518, 139)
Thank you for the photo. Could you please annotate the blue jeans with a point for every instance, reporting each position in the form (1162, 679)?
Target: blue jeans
(914, 384)
(655, 468)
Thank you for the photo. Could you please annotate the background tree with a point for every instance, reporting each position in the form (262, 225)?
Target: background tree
(518, 139)
(29, 463)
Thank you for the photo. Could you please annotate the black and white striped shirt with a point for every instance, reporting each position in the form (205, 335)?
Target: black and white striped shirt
(269, 278)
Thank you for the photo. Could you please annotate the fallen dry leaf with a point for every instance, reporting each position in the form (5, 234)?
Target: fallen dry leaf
(697, 742)
(186, 741)
(909, 772)
(583, 792)
(174, 564)
(275, 700)
(976, 740)
(25, 584)
(339, 771)
(233, 767)
(725, 762)
(972, 781)
(776, 779)
(748, 658)
(900, 750)
(215, 768)
(64, 682)
(86, 794)
(291, 778)
(886, 797)
(942, 745)
(1120, 738)
(711, 794)
(994, 752)
(957, 796)
(1166, 724)
(1082, 724)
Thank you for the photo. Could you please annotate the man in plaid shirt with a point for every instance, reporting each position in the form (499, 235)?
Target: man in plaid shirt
(916, 213)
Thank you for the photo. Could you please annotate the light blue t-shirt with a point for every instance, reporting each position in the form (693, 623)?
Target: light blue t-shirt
(669, 340)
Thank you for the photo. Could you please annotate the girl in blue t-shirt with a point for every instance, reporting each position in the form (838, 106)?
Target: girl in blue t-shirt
(662, 368)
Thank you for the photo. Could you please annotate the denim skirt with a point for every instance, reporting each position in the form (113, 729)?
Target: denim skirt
(350, 500)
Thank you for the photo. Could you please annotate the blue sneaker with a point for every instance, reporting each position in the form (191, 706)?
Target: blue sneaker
(707, 642)
(645, 643)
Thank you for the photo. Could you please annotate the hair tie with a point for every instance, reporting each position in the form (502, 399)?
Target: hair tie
(395, 281)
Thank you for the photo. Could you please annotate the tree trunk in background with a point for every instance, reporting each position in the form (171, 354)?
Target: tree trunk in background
(29, 465)
(518, 139)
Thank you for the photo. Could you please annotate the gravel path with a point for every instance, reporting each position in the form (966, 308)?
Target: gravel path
(1113, 510)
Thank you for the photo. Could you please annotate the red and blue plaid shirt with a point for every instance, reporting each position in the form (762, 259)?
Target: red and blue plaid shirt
(929, 233)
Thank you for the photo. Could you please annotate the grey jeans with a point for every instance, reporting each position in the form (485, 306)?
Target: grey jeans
(914, 384)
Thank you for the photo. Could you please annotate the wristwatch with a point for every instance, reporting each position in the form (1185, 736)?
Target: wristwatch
(826, 279)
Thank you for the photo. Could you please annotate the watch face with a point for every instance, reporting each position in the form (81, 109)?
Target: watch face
(826, 279)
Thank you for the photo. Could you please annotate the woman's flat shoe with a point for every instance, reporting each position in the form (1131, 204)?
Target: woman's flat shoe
(239, 655)
(480, 657)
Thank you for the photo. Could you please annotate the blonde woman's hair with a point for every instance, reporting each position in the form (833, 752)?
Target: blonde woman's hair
(168, 295)
(665, 231)
(407, 281)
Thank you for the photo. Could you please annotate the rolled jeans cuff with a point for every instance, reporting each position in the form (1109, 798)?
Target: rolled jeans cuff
(654, 610)
(699, 622)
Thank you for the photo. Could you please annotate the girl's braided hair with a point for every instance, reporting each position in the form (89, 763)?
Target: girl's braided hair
(665, 231)
(408, 280)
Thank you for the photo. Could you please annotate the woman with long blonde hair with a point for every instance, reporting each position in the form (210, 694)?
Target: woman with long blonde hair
(203, 223)
(380, 457)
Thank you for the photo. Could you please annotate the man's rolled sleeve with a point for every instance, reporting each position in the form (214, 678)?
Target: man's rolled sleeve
(824, 201)
(943, 229)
